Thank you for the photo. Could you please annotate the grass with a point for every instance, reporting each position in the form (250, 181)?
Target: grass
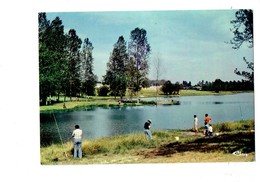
(135, 148)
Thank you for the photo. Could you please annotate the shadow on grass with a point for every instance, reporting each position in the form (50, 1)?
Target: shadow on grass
(227, 143)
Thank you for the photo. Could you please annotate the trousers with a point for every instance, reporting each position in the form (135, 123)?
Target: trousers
(77, 148)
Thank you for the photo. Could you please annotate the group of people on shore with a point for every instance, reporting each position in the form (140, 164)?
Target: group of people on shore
(77, 138)
(208, 129)
(77, 133)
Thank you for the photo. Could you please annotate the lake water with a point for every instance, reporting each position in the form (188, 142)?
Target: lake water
(99, 122)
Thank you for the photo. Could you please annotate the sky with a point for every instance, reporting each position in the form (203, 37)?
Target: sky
(191, 45)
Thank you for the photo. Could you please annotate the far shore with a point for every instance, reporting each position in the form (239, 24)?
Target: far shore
(109, 101)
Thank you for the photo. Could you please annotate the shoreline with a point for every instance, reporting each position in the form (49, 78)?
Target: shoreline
(108, 101)
(171, 146)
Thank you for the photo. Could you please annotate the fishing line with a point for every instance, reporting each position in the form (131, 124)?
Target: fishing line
(60, 136)
(241, 112)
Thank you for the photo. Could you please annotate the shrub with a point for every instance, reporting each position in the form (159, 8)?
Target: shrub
(103, 90)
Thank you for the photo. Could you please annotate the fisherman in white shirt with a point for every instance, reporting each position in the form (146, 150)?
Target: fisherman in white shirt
(77, 135)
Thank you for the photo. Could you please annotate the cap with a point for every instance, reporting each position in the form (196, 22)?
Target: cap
(149, 120)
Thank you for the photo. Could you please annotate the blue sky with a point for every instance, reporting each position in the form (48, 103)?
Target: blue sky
(190, 44)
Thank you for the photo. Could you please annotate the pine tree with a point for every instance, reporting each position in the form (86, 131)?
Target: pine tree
(139, 50)
(88, 78)
(116, 75)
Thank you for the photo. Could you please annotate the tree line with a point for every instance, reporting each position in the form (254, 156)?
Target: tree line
(66, 63)
(169, 88)
(65, 66)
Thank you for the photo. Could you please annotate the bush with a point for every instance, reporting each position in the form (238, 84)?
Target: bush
(103, 90)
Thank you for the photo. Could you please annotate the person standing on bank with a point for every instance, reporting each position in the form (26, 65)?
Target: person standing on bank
(77, 135)
(195, 124)
(147, 131)
(207, 120)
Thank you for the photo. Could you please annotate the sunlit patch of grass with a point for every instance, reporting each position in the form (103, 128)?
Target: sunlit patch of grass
(244, 125)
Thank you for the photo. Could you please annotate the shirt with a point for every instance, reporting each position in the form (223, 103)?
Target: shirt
(210, 129)
(196, 121)
(77, 134)
(207, 119)
(147, 125)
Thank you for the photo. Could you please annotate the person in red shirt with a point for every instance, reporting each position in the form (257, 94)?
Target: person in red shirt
(207, 120)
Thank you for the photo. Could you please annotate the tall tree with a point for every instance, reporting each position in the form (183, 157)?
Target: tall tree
(116, 75)
(243, 32)
(87, 76)
(72, 77)
(139, 50)
(158, 71)
(51, 55)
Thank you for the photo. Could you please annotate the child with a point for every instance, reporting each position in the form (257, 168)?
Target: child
(195, 124)
(206, 130)
(210, 130)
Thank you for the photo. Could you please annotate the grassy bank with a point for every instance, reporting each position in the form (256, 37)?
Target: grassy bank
(134, 148)
(110, 101)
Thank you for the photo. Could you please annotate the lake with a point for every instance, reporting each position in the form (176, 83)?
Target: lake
(97, 122)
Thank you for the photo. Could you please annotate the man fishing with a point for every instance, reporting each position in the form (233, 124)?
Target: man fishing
(147, 131)
(77, 135)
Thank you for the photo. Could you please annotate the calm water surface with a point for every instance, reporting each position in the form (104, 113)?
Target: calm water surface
(99, 122)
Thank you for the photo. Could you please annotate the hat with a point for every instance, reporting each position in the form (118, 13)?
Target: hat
(149, 120)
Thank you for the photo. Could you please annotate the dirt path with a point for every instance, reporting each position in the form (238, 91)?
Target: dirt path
(227, 143)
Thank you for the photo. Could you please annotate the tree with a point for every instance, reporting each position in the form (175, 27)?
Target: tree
(167, 88)
(43, 24)
(72, 77)
(158, 71)
(87, 76)
(51, 56)
(217, 85)
(139, 50)
(116, 75)
(248, 75)
(103, 90)
(243, 32)
(242, 28)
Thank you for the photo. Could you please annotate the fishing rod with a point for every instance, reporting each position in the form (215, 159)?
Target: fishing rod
(60, 136)
(241, 112)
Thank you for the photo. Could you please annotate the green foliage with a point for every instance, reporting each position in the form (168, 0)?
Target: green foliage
(243, 28)
(248, 75)
(116, 76)
(168, 88)
(139, 50)
(87, 76)
(127, 145)
(103, 90)
(161, 134)
(61, 61)
(51, 56)
(234, 126)
(243, 32)
(218, 85)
